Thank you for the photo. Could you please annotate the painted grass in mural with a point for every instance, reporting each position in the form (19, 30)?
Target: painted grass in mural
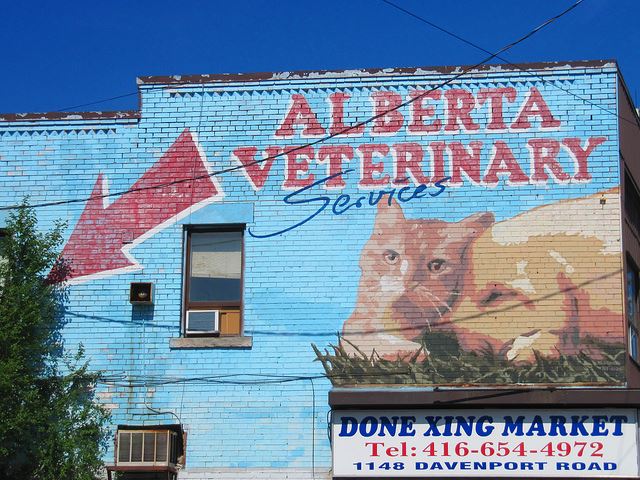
(535, 298)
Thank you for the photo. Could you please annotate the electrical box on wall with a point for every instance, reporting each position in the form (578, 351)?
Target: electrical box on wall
(141, 293)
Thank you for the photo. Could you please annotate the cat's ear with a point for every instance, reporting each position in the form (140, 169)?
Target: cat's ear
(388, 216)
(482, 220)
(461, 234)
(476, 224)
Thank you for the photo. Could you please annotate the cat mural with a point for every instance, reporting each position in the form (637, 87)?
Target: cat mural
(543, 282)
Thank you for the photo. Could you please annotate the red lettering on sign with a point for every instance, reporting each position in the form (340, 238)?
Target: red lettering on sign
(338, 126)
(297, 163)
(544, 153)
(300, 114)
(437, 159)
(408, 164)
(334, 155)
(420, 111)
(256, 171)
(580, 155)
(496, 97)
(460, 104)
(372, 172)
(465, 161)
(387, 117)
(504, 163)
(535, 106)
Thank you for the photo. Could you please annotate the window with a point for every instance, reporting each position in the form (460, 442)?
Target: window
(632, 281)
(213, 281)
(632, 202)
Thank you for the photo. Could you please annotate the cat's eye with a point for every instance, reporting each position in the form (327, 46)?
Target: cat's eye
(391, 257)
(436, 266)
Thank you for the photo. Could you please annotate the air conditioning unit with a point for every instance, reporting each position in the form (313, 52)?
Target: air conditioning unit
(147, 448)
(203, 321)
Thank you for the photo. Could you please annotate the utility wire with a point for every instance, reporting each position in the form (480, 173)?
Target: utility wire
(315, 142)
(503, 59)
(371, 331)
(72, 107)
(127, 381)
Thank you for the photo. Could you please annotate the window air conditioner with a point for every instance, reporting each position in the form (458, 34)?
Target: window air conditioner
(153, 448)
(203, 321)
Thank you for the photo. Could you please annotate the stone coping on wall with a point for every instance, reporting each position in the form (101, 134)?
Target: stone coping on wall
(70, 117)
(367, 72)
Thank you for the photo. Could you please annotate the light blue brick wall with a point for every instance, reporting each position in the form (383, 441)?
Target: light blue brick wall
(298, 287)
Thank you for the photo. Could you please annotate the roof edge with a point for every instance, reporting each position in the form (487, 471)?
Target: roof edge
(295, 75)
(317, 74)
(70, 116)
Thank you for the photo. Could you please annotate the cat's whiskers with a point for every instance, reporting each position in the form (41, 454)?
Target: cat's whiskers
(435, 306)
(442, 302)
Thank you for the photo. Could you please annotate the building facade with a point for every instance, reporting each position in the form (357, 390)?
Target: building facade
(389, 273)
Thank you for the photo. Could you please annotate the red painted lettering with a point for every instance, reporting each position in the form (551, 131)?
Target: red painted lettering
(300, 114)
(535, 106)
(297, 162)
(374, 448)
(463, 161)
(581, 155)
(256, 171)
(496, 97)
(544, 153)
(387, 117)
(408, 164)
(460, 104)
(372, 173)
(504, 163)
(392, 451)
(437, 159)
(334, 155)
(338, 126)
(420, 111)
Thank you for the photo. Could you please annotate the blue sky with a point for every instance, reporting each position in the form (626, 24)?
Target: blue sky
(72, 52)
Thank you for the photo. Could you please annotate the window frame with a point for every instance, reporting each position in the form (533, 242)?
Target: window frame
(632, 299)
(219, 305)
(631, 204)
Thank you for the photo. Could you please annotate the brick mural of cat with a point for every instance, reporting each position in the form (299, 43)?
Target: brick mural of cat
(543, 281)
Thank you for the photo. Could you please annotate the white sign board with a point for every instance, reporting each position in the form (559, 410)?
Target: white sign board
(480, 443)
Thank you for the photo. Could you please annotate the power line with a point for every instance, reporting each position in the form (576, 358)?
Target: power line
(371, 331)
(73, 107)
(255, 380)
(315, 142)
(503, 59)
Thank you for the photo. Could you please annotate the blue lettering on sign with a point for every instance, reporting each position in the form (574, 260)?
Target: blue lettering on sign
(459, 425)
(346, 202)
(370, 426)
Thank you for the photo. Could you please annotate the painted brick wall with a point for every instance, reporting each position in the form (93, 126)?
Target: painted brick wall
(534, 267)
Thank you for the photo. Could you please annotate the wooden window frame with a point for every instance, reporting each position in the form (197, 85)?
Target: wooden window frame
(225, 307)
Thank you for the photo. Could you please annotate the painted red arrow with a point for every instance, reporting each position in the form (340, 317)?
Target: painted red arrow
(104, 234)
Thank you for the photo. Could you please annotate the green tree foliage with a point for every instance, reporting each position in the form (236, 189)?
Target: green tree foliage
(50, 427)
